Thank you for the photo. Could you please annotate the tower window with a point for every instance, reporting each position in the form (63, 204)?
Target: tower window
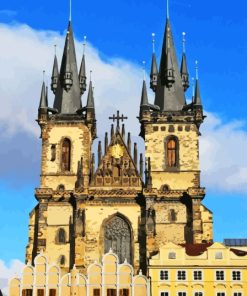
(172, 152)
(53, 152)
(66, 155)
(236, 275)
(61, 236)
(172, 215)
(61, 260)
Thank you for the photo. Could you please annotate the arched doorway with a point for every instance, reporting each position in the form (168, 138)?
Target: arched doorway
(117, 236)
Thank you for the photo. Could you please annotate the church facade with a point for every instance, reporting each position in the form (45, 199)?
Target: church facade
(121, 201)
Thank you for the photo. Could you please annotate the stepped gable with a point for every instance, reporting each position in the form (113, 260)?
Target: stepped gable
(117, 167)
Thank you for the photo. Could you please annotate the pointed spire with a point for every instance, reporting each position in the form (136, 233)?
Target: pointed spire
(106, 142)
(135, 154)
(90, 98)
(123, 131)
(129, 143)
(167, 10)
(55, 74)
(99, 153)
(154, 69)
(170, 93)
(141, 166)
(43, 98)
(112, 131)
(46, 96)
(82, 73)
(144, 106)
(197, 100)
(68, 97)
(184, 69)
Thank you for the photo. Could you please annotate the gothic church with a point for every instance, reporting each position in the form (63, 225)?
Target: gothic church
(119, 200)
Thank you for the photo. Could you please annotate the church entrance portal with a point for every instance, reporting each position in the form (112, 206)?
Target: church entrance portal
(117, 236)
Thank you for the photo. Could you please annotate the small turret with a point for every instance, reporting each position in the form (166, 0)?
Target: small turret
(169, 71)
(154, 69)
(197, 99)
(55, 74)
(144, 106)
(184, 69)
(67, 77)
(90, 98)
(43, 105)
(82, 73)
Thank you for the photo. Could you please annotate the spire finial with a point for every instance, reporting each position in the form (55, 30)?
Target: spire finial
(184, 41)
(144, 70)
(84, 44)
(55, 49)
(153, 42)
(91, 75)
(197, 70)
(167, 9)
(70, 10)
(43, 75)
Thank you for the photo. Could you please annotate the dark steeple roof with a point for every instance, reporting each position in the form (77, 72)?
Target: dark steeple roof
(82, 75)
(144, 98)
(90, 98)
(197, 99)
(184, 72)
(55, 75)
(43, 98)
(68, 97)
(170, 93)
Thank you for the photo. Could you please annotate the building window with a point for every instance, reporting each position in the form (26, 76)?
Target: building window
(61, 260)
(237, 294)
(61, 236)
(182, 293)
(172, 255)
(41, 292)
(236, 275)
(197, 275)
(111, 292)
(53, 152)
(218, 255)
(66, 155)
(172, 215)
(220, 275)
(27, 292)
(164, 293)
(96, 292)
(52, 292)
(164, 275)
(181, 275)
(221, 294)
(198, 294)
(172, 152)
(124, 292)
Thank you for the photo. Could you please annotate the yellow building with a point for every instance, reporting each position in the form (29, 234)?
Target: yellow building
(107, 279)
(198, 270)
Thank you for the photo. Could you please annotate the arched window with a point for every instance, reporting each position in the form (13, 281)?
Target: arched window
(66, 155)
(172, 152)
(61, 236)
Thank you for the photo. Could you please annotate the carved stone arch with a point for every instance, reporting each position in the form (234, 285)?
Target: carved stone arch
(117, 234)
(172, 152)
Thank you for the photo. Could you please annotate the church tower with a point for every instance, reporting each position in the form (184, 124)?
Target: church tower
(89, 205)
(171, 130)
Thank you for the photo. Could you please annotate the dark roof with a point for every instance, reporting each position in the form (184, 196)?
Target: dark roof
(90, 98)
(195, 249)
(238, 252)
(169, 98)
(43, 98)
(68, 101)
(233, 242)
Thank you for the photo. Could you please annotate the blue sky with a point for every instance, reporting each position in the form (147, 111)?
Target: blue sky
(119, 33)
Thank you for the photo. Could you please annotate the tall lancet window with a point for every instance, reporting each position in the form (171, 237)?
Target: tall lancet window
(66, 155)
(172, 154)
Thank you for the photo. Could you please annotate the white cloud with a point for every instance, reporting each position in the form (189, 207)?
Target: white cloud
(7, 272)
(25, 52)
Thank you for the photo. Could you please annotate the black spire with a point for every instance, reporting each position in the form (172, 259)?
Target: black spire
(90, 98)
(184, 69)
(55, 75)
(170, 93)
(82, 73)
(154, 69)
(144, 99)
(68, 97)
(43, 98)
